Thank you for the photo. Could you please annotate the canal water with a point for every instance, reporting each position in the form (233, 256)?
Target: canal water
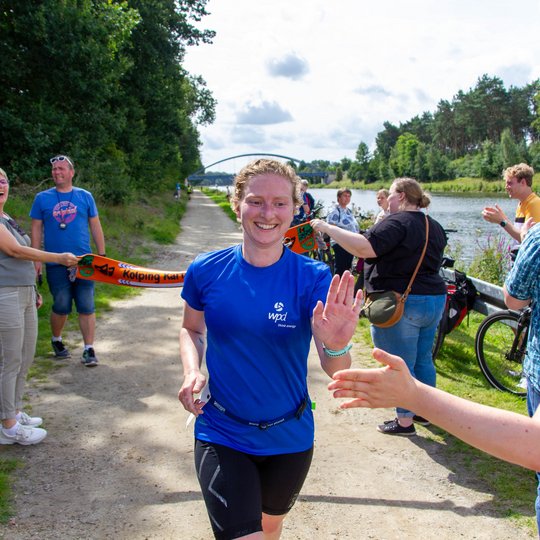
(459, 212)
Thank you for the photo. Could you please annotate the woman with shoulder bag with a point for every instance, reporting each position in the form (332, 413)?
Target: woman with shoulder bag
(394, 250)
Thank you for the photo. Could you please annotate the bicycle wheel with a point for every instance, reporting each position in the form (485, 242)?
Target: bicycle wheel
(500, 351)
(329, 259)
(324, 256)
(439, 339)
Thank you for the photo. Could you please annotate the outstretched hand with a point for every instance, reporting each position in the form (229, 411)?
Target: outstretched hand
(527, 226)
(389, 386)
(334, 322)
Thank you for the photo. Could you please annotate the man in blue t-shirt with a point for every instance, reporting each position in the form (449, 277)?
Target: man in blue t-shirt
(521, 288)
(63, 217)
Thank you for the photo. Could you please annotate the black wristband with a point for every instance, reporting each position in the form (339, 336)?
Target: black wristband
(102, 254)
(503, 224)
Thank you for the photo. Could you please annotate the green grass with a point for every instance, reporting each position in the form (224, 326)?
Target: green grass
(7, 468)
(133, 233)
(220, 198)
(459, 185)
(513, 488)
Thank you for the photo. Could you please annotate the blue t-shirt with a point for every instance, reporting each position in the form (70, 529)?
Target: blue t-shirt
(258, 337)
(72, 210)
(523, 283)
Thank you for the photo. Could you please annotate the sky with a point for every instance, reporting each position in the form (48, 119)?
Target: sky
(311, 79)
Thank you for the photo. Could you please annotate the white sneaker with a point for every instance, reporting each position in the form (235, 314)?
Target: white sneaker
(27, 420)
(25, 435)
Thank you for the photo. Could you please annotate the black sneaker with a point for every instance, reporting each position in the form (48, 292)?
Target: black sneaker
(89, 358)
(60, 350)
(421, 420)
(392, 427)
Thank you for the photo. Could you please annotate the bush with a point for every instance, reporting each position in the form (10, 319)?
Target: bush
(492, 260)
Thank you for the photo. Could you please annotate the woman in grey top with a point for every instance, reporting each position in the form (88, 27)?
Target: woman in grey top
(18, 323)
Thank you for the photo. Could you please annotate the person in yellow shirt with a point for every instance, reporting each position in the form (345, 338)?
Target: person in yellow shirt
(518, 183)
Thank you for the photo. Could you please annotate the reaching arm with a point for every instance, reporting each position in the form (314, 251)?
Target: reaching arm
(192, 345)
(11, 247)
(527, 226)
(506, 435)
(514, 303)
(97, 234)
(333, 323)
(354, 243)
(36, 239)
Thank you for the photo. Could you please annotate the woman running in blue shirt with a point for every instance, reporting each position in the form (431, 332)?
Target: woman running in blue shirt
(254, 308)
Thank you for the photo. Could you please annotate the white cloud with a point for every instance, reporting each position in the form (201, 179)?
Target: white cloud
(267, 112)
(290, 66)
(313, 79)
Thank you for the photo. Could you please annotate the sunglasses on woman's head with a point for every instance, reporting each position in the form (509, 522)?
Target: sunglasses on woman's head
(60, 158)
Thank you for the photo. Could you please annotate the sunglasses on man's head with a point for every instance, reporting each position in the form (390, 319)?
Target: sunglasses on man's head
(60, 158)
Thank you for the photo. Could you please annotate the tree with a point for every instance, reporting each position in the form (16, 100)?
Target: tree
(446, 136)
(437, 164)
(421, 126)
(102, 80)
(510, 151)
(362, 160)
(421, 168)
(386, 140)
(491, 161)
(345, 164)
(165, 102)
(403, 156)
(62, 63)
(535, 123)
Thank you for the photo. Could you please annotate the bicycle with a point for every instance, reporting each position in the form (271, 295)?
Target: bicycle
(500, 346)
(323, 252)
(500, 341)
(460, 297)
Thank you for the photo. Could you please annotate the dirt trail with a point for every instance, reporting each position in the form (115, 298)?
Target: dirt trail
(118, 460)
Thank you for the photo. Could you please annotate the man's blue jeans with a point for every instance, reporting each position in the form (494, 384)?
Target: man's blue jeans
(533, 401)
(412, 337)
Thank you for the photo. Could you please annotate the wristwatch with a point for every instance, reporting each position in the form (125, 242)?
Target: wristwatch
(503, 224)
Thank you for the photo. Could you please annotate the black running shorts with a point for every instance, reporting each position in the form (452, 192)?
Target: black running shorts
(237, 487)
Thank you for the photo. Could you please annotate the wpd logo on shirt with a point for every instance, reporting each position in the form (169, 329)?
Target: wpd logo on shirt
(278, 315)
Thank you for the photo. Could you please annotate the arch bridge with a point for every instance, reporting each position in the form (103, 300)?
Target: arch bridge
(200, 177)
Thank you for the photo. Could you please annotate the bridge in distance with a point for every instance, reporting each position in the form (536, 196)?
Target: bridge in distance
(200, 177)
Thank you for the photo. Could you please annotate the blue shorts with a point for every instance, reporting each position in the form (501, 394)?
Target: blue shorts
(64, 292)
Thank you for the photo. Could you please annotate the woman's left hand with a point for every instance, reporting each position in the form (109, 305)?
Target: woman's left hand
(335, 321)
